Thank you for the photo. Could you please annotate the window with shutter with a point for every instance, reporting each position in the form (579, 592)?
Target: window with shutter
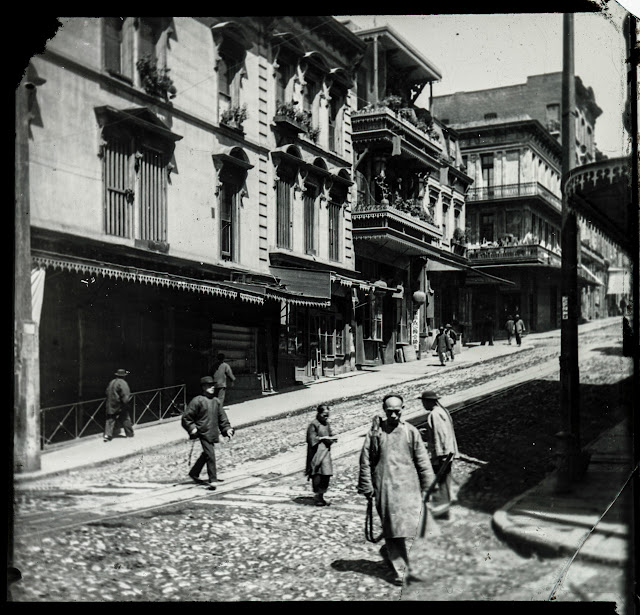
(283, 212)
(310, 197)
(335, 228)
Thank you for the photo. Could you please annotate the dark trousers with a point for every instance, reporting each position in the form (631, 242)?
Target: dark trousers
(441, 499)
(220, 392)
(320, 483)
(518, 338)
(122, 419)
(208, 457)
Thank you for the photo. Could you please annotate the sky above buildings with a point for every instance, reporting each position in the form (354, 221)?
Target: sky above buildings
(480, 51)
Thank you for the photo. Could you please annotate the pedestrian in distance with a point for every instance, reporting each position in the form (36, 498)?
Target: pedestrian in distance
(487, 330)
(205, 419)
(518, 329)
(440, 439)
(319, 467)
(454, 338)
(117, 406)
(442, 345)
(395, 472)
(222, 375)
(510, 327)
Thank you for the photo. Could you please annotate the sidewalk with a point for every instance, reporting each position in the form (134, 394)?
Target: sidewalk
(539, 518)
(594, 517)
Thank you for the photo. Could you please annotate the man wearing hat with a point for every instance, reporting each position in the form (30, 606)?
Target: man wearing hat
(440, 439)
(206, 419)
(117, 405)
(451, 334)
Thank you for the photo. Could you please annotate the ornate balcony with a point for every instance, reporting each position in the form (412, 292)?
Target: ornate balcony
(382, 222)
(601, 192)
(381, 124)
(515, 191)
(534, 254)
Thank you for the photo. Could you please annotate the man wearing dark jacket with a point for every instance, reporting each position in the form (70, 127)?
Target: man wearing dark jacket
(205, 419)
(117, 405)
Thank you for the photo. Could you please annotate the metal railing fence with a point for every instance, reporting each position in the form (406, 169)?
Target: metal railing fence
(67, 422)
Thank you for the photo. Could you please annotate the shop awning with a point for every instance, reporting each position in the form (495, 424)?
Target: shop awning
(589, 277)
(619, 282)
(144, 276)
(443, 266)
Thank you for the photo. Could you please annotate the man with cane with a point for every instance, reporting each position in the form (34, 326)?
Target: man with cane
(205, 419)
(395, 472)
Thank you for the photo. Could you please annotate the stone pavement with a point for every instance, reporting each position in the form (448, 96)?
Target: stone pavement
(539, 519)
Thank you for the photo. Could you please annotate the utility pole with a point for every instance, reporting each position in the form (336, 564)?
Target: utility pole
(570, 459)
(26, 403)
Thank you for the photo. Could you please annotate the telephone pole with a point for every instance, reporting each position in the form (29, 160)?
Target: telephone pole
(26, 401)
(571, 460)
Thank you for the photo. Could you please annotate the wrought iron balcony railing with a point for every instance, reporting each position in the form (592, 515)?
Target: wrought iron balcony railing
(67, 422)
(379, 118)
(369, 206)
(517, 253)
(512, 191)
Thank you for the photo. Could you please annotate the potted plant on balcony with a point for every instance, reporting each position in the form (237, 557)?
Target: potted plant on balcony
(155, 80)
(234, 117)
(459, 241)
(288, 115)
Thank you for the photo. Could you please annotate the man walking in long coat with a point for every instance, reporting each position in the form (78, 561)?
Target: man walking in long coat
(395, 471)
(519, 329)
(205, 419)
(442, 344)
(319, 463)
(440, 439)
(117, 406)
(510, 326)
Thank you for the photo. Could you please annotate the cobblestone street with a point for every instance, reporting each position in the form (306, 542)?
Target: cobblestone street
(269, 542)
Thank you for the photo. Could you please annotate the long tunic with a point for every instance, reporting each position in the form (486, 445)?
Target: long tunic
(440, 438)
(318, 452)
(395, 466)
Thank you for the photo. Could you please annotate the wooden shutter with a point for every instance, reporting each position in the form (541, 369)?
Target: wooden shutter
(152, 195)
(309, 219)
(117, 208)
(283, 214)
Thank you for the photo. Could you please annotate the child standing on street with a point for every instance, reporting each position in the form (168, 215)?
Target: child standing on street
(319, 463)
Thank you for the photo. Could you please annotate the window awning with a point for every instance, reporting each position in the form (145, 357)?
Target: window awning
(589, 277)
(619, 282)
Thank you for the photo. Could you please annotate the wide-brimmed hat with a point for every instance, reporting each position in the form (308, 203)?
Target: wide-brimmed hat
(429, 395)
(121, 373)
(206, 380)
(447, 326)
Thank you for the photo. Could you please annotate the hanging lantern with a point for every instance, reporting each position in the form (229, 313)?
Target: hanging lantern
(419, 297)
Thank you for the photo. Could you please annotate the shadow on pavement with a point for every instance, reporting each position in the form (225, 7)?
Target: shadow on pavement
(518, 449)
(364, 566)
(306, 500)
(615, 351)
